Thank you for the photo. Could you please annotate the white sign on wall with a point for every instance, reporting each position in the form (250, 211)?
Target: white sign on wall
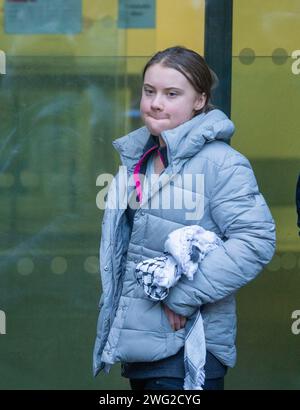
(137, 14)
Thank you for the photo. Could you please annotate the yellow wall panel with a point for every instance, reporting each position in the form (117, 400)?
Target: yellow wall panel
(178, 22)
(99, 36)
(266, 25)
(265, 106)
(140, 42)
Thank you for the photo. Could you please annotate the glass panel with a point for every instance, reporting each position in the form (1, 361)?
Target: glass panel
(71, 86)
(61, 105)
(265, 101)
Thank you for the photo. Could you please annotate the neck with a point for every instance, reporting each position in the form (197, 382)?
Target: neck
(161, 142)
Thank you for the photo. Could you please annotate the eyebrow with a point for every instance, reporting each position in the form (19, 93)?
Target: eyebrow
(167, 88)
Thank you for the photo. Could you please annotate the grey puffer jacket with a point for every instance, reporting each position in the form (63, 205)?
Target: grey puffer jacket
(224, 199)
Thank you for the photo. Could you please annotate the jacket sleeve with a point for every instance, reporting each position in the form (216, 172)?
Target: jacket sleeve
(242, 215)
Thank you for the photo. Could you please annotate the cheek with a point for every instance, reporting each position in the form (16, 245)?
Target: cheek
(182, 113)
(144, 106)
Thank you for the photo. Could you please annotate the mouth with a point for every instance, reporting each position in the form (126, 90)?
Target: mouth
(157, 118)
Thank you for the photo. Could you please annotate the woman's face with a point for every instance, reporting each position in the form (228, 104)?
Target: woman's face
(168, 99)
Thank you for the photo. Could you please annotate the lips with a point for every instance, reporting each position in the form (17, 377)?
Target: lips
(158, 118)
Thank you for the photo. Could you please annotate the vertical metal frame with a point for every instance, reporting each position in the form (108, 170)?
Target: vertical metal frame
(218, 48)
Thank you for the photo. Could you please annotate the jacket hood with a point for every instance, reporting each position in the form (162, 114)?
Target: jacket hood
(183, 142)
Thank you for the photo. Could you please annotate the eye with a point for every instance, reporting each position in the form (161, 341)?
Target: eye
(148, 91)
(172, 93)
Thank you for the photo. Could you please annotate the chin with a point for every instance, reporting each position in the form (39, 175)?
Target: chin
(154, 131)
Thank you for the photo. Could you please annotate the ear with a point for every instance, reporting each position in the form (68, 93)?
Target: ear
(200, 102)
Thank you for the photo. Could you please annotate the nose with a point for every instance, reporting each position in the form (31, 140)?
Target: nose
(157, 103)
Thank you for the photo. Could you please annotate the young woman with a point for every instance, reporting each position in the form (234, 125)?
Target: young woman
(183, 138)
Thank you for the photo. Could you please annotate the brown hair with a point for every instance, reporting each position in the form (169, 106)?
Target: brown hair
(192, 65)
